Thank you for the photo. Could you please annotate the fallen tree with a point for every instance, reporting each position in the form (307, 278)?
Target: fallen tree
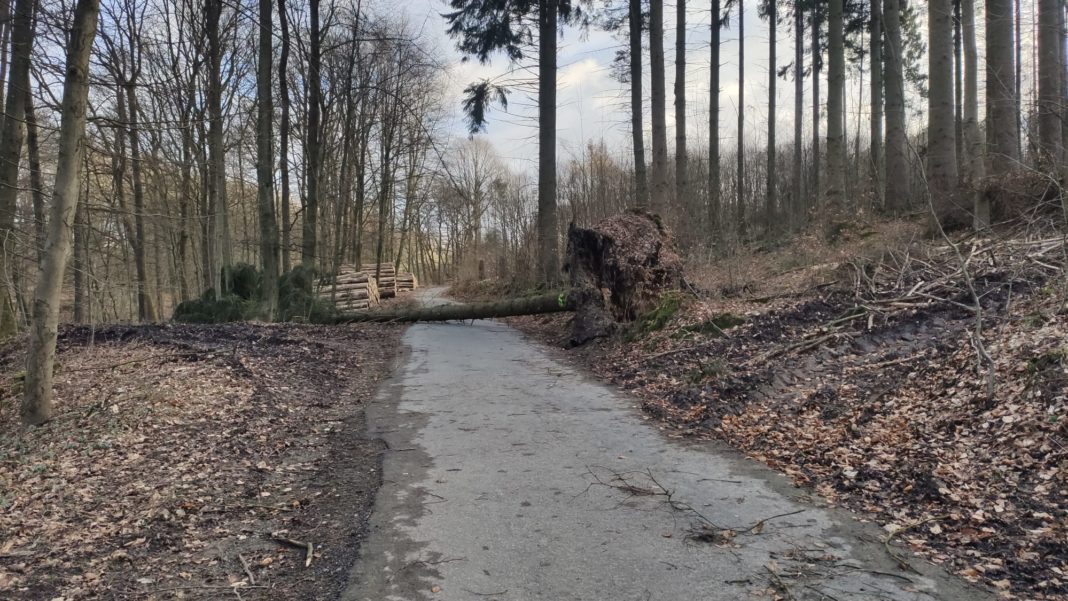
(533, 305)
(618, 270)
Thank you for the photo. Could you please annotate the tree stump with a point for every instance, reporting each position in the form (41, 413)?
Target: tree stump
(619, 269)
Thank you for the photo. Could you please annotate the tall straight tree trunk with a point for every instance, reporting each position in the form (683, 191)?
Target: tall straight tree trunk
(283, 138)
(145, 310)
(714, 201)
(207, 221)
(637, 128)
(315, 84)
(12, 137)
(1018, 53)
(37, 400)
(958, 84)
(1002, 143)
(186, 192)
(659, 101)
(878, 172)
(835, 109)
(817, 66)
(81, 259)
(973, 143)
(682, 183)
(5, 33)
(366, 115)
(941, 131)
(1050, 84)
(33, 149)
(265, 162)
(216, 152)
(740, 190)
(771, 193)
(799, 108)
(897, 165)
(548, 255)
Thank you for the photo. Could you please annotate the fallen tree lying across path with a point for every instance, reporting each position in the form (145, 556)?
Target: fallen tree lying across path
(618, 270)
(534, 305)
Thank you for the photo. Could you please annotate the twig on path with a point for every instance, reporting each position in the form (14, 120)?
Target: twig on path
(248, 570)
(822, 594)
(307, 546)
(758, 527)
(485, 594)
(902, 562)
(779, 584)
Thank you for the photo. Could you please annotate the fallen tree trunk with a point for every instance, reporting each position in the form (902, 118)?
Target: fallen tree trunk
(546, 303)
(619, 269)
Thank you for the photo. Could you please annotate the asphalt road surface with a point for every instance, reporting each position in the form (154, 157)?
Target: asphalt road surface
(512, 477)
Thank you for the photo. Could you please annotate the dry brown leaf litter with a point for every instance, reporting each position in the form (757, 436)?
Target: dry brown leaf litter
(178, 451)
(886, 410)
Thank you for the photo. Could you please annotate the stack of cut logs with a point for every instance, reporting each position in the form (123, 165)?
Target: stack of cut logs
(406, 282)
(387, 278)
(355, 290)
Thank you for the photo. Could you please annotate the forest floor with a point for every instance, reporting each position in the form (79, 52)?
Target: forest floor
(192, 462)
(857, 371)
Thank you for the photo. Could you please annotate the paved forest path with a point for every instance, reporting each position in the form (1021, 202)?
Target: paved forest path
(512, 477)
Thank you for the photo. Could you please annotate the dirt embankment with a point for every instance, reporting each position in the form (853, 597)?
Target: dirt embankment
(183, 458)
(872, 385)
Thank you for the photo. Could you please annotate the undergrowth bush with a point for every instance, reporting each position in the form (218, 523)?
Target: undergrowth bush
(243, 300)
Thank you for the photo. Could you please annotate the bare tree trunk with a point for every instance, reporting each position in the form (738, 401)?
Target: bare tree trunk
(265, 162)
(659, 102)
(897, 166)
(283, 138)
(682, 183)
(216, 153)
(714, 200)
(5, 35)
(771, 191)
(145, 310)
(11, 140)
(81, 259)
(315, 84)
(817, 66)
(941, 136)
(1002, 143)
(33, 148)
(361, 181)
(1018, 54)
(740, 190)
(973, 143)
(835, 109)
(637, 128)
(548, 255)
(37, 402)
(185, 194)
(878, 172)
(797, 202)
(958, 84)
(1050, 83)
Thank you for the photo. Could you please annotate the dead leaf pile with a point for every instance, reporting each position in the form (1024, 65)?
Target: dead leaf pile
(177, 450)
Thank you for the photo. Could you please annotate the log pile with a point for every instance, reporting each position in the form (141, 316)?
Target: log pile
(387, 278)
(406, 282)
(351, 290)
